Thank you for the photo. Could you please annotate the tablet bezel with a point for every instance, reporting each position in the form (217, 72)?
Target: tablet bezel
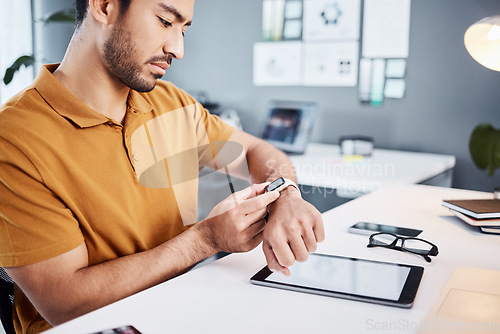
(405, 300)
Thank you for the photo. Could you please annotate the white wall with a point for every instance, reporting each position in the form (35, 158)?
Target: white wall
(15, 41)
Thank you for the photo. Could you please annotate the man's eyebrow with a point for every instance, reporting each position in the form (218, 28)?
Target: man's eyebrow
(175, 12)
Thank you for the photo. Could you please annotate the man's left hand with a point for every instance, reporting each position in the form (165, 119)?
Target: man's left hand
(293, 230)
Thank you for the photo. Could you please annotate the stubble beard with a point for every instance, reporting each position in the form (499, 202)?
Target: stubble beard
(119, 51)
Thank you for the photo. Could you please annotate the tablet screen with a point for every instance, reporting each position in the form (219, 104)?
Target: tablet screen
(379, 280)
(388, 283)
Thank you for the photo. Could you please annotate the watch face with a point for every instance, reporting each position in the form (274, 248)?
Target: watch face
(275, 184)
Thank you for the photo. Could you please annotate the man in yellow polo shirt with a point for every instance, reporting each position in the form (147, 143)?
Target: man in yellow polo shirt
(98, 172)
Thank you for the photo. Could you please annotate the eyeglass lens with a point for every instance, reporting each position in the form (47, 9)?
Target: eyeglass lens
(413, 245)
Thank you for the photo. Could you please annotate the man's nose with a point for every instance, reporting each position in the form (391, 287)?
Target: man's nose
(175, 45)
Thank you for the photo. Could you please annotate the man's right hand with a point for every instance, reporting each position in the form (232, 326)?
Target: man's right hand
(236, 224)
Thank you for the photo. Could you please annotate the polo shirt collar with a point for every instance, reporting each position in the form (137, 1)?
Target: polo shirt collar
(70, 107)
(137, 101)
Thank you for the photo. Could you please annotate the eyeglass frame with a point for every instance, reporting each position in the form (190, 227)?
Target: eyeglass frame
(432, 252)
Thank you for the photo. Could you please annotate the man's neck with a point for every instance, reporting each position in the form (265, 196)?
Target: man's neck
(83, 74)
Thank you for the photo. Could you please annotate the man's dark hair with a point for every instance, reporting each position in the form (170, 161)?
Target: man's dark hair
(81, 7)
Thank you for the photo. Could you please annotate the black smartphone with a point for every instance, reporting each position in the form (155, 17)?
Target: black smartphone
(366, 228)
(120, 330)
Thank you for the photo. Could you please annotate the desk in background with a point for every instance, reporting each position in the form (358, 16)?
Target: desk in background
(219, 298)
(327, 180)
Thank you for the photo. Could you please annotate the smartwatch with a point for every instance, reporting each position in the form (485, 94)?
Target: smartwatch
(281, 184)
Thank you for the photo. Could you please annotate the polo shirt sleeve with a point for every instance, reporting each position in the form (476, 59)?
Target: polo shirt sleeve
(34, 224)
(217, 129)
(207, 124)
(197, 128)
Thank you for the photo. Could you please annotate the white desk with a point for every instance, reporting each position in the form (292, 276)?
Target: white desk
(219, 298)
(322, 166)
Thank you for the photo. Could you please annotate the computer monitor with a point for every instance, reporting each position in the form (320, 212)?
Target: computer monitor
(288, 125)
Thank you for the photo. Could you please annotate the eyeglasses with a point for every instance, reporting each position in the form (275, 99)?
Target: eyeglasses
(412, 245)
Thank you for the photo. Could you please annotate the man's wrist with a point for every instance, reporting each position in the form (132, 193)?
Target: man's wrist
(206, 236)
(291, 191)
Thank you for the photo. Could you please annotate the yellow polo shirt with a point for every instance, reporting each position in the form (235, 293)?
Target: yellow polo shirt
(70, 175)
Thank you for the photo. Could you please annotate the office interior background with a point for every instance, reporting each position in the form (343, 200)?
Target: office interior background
(447, 92)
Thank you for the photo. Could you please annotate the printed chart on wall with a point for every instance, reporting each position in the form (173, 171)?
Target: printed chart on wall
(317, 43)
(326, 47)
(386, 35)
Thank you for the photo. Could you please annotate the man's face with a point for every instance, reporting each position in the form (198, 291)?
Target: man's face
(143, 42)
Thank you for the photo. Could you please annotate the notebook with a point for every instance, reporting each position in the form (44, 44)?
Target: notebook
(477, 222)
(490, 229)
(475, 208)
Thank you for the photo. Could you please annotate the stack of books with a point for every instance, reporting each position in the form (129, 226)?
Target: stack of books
(484, 213)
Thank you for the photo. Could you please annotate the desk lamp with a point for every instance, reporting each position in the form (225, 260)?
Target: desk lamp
(482, 41)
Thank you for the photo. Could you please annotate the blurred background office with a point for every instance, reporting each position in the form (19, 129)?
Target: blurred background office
(446, 95)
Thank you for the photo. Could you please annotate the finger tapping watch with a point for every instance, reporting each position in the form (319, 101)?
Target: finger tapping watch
(281, 184)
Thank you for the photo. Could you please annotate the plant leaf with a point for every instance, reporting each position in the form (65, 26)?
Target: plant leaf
(9, 75)
(495, 153)
(484, 147)
(26, 60)
(64, 16)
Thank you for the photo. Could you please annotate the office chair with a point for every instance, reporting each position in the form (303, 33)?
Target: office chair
(6, 302)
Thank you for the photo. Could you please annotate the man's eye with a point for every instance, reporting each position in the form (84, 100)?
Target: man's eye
(165, 23)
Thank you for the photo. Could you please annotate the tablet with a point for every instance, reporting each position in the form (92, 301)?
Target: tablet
(289, 124)
(383, 283)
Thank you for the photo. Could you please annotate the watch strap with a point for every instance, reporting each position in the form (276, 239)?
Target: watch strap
(287, 183)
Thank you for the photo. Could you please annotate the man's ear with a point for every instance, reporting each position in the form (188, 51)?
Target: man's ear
(104, 11)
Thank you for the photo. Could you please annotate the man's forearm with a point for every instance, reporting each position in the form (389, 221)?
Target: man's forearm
(85, 289)
(265, 162)
(276, 164)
